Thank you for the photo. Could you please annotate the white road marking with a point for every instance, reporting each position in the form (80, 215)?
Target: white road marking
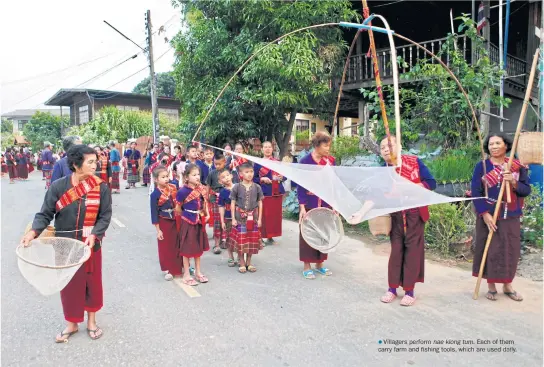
(121, 225)
(189, 290)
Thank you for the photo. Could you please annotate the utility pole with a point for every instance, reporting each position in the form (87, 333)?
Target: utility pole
(153, 81)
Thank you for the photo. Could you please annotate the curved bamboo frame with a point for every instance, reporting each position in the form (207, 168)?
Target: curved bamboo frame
(395, 71)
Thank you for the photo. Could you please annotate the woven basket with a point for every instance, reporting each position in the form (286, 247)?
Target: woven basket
(530, 147)
(48, 232)
(380, 225)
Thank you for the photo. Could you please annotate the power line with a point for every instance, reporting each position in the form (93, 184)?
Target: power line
(118, 31)
(56, 71)
(107, 71)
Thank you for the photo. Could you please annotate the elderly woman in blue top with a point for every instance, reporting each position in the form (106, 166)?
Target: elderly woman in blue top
(504, 250)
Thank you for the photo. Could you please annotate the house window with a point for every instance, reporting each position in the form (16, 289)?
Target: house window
(172, 112)
(21, 124)
(314, 128)
(128, 108)
(354, 127)
(302, 125)
(83, 114)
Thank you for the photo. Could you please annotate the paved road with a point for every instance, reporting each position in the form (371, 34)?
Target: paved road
(271, 318)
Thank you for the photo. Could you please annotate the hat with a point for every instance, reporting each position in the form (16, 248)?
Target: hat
(47, 144)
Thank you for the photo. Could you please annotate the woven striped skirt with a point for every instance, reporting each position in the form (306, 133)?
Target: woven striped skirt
(146, 175)
(243, 240)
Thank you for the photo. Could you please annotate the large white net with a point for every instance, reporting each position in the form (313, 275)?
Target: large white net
(49, 263)
(357, 193)
(322, 229)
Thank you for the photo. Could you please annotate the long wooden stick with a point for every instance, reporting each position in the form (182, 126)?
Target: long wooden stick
(526, 101)
(366, 14)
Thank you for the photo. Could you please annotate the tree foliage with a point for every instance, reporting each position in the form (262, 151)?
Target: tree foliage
(111, 123)
(44, 126)
(435, 106)
(166, 85)
(287, 78)
(7, 126)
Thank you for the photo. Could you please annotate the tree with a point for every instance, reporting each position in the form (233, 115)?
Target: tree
(290, 77)
(435, 106)
(166, 85)
(44, 126)
(7, 126)
(111, 123)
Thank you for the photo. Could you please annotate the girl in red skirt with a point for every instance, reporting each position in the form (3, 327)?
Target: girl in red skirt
(191, 206)
(162, 202)
(247, 208)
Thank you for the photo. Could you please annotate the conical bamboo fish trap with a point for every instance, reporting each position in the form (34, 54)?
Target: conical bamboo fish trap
(380, 225)
(530, 147)
(48, 232)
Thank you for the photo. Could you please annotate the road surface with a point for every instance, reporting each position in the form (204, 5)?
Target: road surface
(273, 317)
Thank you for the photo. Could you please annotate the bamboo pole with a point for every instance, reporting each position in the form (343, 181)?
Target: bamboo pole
(366, 13)
(526, 101)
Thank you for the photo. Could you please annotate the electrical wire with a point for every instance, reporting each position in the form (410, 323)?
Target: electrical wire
(139, 71)
(10, 82)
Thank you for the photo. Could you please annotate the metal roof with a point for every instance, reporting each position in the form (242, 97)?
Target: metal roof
(64, 96)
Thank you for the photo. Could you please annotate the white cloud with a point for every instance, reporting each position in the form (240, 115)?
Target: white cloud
(44, 36)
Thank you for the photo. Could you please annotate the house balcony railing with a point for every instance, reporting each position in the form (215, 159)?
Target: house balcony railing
(360, 71)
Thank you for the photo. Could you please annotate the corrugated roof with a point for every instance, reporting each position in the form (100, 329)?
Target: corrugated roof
(64, 96)
(31, 112)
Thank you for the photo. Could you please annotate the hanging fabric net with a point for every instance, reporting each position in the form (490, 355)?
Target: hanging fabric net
(357, 193)
(49, 263)
(322, 229)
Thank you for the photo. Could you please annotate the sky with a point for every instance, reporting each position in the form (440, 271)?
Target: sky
(54, 44)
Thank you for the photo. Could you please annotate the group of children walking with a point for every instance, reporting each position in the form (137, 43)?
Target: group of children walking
(180, 217)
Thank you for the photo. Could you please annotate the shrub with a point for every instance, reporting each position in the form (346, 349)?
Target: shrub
(452, 167)
(445, 226)
(290, 205)
(345, 147)
(531, 222)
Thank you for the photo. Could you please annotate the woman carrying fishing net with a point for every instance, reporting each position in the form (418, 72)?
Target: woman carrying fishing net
(406, 265)
(504, 249)
(307, 200)
(81, 206)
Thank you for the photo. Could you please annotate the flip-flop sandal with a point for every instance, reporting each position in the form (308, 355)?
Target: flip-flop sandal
(190, 282)
(491, 296)
(242, 269)
(89, 331)
(232, 263)
(216, 250)
(202, 278)
(388, 297)
(308, 274)
(251, 269)
(323, 271)
(67, 335)
(513, 296)
(407, 300)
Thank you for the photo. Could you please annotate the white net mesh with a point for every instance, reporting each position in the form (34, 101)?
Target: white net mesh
(357, 193)
(322, 229)
(49, 263)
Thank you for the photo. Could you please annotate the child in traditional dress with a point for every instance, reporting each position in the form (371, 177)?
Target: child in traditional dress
(162, 202)
(214, 186)
(193, 240)
(224, 204)
(174, 174)
(247, 207)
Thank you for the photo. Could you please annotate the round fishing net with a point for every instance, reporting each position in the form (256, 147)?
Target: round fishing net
(322, 229)
(49, 263)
